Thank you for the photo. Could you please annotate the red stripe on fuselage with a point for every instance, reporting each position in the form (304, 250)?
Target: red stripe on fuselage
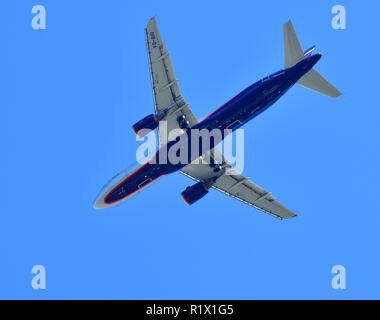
(105, 198)
(222, 106)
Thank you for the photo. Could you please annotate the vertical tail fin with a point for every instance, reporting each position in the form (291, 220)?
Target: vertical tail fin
(292, 48)
(293, 54)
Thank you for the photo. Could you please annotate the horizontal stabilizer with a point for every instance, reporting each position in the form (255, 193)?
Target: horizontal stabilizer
(314, 81)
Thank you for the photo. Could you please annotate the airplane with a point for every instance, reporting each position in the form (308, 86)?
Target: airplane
(172, 112)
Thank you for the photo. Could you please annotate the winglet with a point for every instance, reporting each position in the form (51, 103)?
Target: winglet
(154, 17)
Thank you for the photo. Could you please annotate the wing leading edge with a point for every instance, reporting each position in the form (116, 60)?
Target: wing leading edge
(167, 98)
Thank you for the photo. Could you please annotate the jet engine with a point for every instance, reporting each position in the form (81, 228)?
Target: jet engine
(148, 123)
(194, 193)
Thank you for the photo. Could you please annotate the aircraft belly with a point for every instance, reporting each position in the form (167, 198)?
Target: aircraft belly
(127, 184)
(134, 183)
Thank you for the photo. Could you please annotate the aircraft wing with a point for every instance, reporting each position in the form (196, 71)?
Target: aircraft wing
(236, 186)
(167, 98)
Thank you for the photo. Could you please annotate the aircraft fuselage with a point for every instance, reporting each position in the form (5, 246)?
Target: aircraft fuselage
(239, 110)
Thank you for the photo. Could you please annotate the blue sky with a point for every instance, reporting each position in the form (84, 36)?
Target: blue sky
(70, 95)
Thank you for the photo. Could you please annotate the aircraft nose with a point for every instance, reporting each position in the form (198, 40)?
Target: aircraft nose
(99, 202)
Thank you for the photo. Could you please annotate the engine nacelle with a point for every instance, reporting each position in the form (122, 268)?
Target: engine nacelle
(194, 193)
(149, 123)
